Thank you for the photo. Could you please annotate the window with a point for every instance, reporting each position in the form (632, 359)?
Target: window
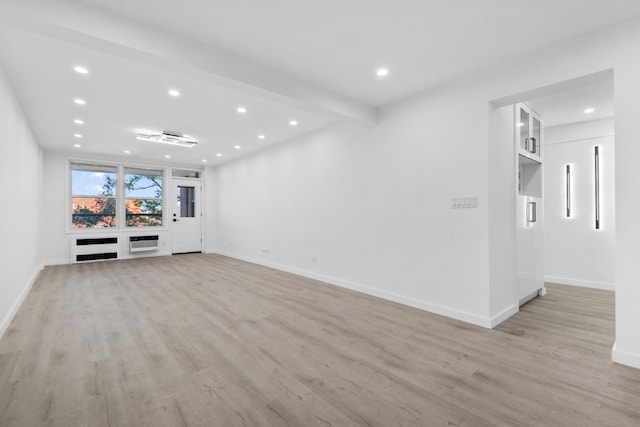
(143, 197)
(103, 194)
(93, 196)
(186, 202)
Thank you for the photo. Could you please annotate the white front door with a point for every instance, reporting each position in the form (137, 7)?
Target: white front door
(186, 216)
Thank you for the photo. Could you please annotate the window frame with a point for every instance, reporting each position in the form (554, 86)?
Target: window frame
(120, 196)
(125, 197)
(91, 167)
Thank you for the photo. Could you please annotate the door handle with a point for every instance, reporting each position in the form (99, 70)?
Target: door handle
(531, 145)
(531, 212)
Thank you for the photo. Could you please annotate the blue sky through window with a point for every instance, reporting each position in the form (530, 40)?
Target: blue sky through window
(89, 183)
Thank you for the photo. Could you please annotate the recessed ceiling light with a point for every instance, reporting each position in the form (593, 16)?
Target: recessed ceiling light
(241, 110)
(80, 101)
(589, 110)
(204, 160)
(127, 152)
(261, 137)
(382, 72)
(78, 122)
(293, 123)
(174, 92)
(77, 135)
(80, 69)
(520, 124)
(77, 145)
(167, 156)
(237, 147)
(219, 155)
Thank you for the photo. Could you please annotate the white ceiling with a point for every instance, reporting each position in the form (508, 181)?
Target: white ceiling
(282, 59)
(338, 44)
(569, 105)
(123, 96)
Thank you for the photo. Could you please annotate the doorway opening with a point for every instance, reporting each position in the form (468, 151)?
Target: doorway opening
(576, 171)
(186, 212)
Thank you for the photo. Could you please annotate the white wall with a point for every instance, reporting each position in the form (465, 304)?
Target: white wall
(373, 205)
(56, 239)
(20, 173)
(211, 225)
(575, 252)
(375, 215)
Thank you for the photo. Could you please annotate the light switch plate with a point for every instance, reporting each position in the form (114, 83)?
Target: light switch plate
(464, 202)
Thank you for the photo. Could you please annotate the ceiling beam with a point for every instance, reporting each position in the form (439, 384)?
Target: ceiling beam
(102, 30)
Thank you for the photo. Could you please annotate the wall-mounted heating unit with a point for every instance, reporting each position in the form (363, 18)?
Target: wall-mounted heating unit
(143, 243)
(94, 249)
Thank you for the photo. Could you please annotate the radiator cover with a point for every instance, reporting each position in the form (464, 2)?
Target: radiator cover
(94, 249)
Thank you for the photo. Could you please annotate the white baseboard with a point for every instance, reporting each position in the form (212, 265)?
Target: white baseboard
(625, 358)
(582, 283)
(390, 296)
(57, 262)
(504, 315)
(16, 305)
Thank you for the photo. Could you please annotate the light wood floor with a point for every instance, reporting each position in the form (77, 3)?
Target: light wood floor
(204, 340)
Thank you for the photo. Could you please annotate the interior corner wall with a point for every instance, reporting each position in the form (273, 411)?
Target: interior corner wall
(20, 171)
(503, 295)
(370, 209)
(211, 220)
(575, 252)
(56, 246)
(56, 240)
(372, 206)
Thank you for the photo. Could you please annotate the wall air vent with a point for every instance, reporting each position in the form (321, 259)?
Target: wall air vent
(167, 137)
(94, 249)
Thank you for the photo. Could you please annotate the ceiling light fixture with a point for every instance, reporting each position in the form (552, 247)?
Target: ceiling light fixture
(174, 92)
(293, 123)
(127, 152)
(80, 101)
(77, 135)
(241, 110)
(520, 124)
(589, 110)
(237, 147)
(204, 160)
(80, 69)
(78, 122)
(77, 145)
(219, 155)
(382, 72)
(261, 137)
(167, 156)
(167, 137)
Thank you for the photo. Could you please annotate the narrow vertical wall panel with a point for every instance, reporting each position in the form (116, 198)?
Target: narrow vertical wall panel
(596, 156)
(568, 191)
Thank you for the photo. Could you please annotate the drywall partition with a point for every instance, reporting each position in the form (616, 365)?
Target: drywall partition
(372, 207)
(503, 293)
(20, 168)
(211, 225)
(575, 252)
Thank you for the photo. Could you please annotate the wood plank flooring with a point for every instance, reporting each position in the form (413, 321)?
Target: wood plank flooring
(205, 340)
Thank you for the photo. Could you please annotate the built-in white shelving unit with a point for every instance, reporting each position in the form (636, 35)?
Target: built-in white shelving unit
(529, 203)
